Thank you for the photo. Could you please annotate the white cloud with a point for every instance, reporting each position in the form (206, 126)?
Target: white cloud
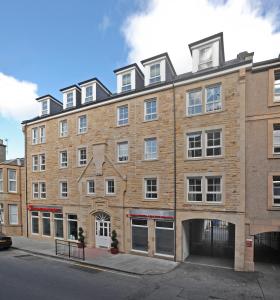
(165, 25)
(17, 98)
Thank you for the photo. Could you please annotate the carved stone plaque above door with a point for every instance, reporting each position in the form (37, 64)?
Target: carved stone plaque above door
(99, 158)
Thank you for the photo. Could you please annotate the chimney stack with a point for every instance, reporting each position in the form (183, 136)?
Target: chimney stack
(2, 151)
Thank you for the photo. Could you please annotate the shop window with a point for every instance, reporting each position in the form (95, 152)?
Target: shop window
(139, 229)
(46, 219)
(58, 226)
(72, 227)
(165, 238)
(35, 222)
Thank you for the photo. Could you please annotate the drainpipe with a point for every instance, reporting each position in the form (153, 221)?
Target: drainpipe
(175, 169)
(25, 166)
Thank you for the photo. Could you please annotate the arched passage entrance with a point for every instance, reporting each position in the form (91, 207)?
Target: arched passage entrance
(102, 230)
(267, 247)
(208, 237)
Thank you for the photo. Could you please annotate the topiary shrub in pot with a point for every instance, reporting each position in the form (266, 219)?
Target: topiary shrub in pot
(115, 242)
(81, 238)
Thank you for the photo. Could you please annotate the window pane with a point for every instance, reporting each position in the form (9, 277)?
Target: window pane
(194, 103)
(123, 115)
(213, 98)
(123, 151)
(165, 241)
(140, 238)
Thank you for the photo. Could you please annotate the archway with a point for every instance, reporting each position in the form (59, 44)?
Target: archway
(208, 238)
(267, 247)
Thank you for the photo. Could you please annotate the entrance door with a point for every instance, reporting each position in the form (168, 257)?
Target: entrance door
(102, 230)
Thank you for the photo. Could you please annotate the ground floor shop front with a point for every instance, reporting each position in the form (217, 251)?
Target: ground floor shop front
(150, 232)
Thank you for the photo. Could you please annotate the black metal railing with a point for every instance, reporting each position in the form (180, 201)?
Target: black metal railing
(70, 249)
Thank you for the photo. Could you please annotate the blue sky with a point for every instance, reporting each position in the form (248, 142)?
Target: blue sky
(54, 44)
(58, 43)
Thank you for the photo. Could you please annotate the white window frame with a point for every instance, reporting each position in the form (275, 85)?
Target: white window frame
(63, 163)
(204, 64)
(10, 180)
(35, 135)
(126, 86)
(107, 192)
(214, 146)
(70, 104)
(274, 196)
(139, 226)
(46, 110)
(62, 131)
(89, 181)
(275, 135)
(12, 214)
(276, 97)
(120, 160)
(71, 220)
(42, 130)
(149, 155)
(193, 134)
(35, 163)
(55, 218)
(195, 192)
(214, 102)
(155, 193)
(47, 218)
(38, 219)
(122, 121)
(157, 77)
(215, 192)
(62, 193)
(42, 190)
(35, 194)
(150, 116)
(188, 106)
(82, 126)
(82, 162)
(42, 162)
(88, 98)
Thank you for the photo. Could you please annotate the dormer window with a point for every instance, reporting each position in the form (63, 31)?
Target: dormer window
(208, 52)
(126, 82)
(45, 107)
(69, 100)
(89, 94)
(205, 58)
(155, 73)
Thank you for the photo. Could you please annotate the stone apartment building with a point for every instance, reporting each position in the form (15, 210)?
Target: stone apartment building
(11, 193)
(164, 161)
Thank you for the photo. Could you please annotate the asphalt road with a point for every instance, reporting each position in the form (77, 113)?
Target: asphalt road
(24, 276)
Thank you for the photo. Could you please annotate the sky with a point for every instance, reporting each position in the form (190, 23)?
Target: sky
(46, 45)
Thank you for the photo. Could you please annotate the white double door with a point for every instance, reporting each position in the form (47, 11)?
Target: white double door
(102, 231)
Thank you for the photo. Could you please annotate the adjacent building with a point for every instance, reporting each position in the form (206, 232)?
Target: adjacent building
(11, 193)
(167, 161)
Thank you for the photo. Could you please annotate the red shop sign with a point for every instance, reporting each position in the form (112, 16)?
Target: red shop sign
(44, 208)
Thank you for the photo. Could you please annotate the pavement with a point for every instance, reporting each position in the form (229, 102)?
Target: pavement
(129, 263)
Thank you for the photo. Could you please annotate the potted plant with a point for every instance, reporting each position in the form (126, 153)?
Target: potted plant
(81, 238)
(115, 242)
